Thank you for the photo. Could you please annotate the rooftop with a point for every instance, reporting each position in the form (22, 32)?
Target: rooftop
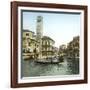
(47, 37)
(26, 30)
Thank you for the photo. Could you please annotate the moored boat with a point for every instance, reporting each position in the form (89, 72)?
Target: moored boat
(48, 61)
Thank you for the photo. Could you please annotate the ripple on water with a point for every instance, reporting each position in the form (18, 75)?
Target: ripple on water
(31, 69)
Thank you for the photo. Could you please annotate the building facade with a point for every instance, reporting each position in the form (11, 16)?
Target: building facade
(73, 47)
(29, 43)
(62, 50)
(47, 47)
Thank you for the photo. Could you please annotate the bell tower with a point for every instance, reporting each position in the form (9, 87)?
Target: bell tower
(39, 33)
(39, 27)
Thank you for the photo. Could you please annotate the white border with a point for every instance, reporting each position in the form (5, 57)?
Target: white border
(51, 78)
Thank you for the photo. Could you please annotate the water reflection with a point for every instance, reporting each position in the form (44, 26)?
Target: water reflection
(30, 68)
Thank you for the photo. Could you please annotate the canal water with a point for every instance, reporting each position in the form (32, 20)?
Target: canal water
(29, 68)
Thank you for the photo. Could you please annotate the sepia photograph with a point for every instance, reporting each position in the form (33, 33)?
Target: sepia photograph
(50, 43)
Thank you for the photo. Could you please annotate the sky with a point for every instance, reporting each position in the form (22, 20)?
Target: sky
(61, 27)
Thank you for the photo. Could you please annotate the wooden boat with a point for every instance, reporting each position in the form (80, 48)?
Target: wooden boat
(48, 61)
